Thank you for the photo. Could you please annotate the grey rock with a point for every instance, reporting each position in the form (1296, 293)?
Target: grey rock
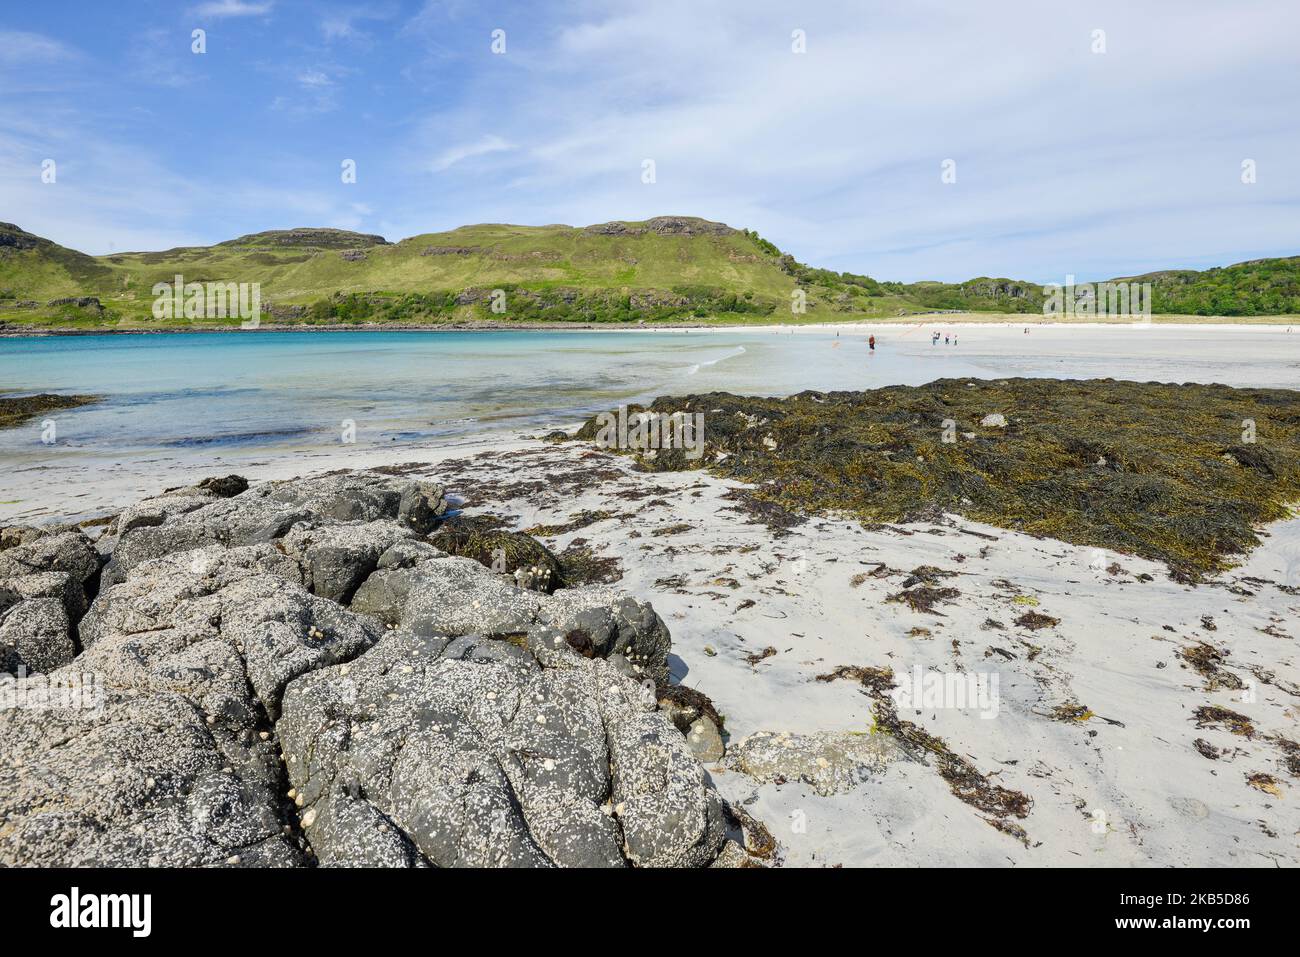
(458, 596)
(210, 623)
(61, 585)
(482, 756)
(269, 512)
(11, 535)
(448, 596)
(152, 512)
(409, 552)
(192, 654)
(138, 781)
(36, 635)
(829, 761)
(615, 622)
(349, 831)
(242, 715)
(704, 740)
(669, 813)
(70, 552)
(335, 559)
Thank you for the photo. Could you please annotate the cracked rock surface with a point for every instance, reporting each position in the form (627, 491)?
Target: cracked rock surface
(292, 675)
(46, 582)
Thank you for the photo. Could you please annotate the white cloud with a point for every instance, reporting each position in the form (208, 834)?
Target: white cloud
(340, 23)
(318, 91)
(162, 58)
(457, 154)
(18, 47)
(218, 9)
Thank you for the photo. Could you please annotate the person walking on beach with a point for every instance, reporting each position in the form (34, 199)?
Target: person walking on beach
(871, 343)
(945, 338)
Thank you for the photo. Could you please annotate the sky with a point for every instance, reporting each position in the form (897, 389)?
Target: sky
(904, 140)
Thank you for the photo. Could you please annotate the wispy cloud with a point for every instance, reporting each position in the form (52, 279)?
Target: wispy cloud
(163, 58)
(317, 91)
(219, 9)
(18, 47)
(458, 154)
(340, 23)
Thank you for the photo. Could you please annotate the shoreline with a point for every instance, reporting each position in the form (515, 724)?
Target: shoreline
(88, 469)
(918, 321)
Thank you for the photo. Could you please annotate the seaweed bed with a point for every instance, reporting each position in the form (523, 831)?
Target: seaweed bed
(488, 540)
(1180, 474)
(14, 410)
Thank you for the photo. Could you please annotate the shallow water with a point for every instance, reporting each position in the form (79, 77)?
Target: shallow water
(231, 401)
(197, 392)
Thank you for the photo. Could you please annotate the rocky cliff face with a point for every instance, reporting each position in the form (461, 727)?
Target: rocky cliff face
(293, 674)
(17, 238)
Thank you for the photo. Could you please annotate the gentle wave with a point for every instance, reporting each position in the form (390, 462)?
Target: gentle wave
(238, 438)
(713, 362)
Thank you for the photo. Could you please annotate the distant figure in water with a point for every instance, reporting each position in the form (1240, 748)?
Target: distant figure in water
(945, 338)
(934, 339)
(954, 338)
(871, 343)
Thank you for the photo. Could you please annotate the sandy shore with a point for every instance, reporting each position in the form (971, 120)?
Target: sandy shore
(1094, 719)
(1127, 786)
(965, 319)
(1127, 779)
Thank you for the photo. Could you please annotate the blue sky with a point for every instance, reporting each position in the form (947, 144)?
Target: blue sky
(1067, 160)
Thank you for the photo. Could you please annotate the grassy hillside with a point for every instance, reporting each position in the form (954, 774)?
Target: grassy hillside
(32, 267)
(668, 269)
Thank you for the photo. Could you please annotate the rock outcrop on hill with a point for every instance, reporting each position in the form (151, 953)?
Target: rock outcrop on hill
(309, 237)
(664, 226)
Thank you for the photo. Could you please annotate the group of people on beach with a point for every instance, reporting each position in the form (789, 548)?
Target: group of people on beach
(948, 338)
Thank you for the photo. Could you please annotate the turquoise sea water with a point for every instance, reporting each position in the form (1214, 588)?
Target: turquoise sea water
(229, 390)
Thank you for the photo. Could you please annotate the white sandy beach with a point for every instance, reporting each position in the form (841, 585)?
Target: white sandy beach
(1127, 787)
(1124, 786)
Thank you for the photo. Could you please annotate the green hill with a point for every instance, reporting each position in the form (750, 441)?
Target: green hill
(35, 267)
(667, 269)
